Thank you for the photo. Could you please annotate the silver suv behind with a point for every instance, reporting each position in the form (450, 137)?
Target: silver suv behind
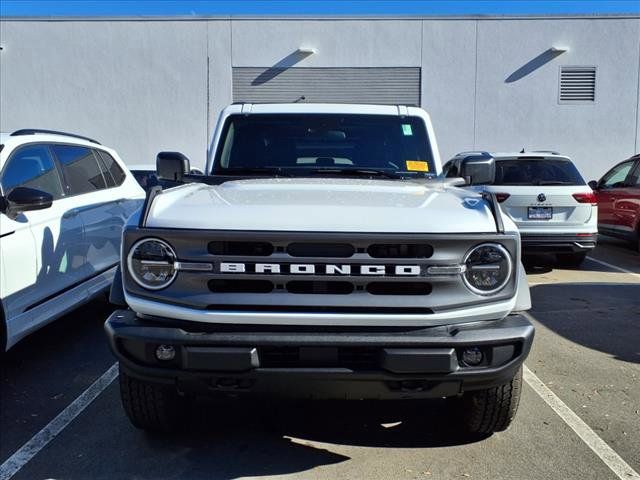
(547, 198)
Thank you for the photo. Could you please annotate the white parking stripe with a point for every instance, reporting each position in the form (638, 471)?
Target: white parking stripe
(614, 267)
(588, 436)
(40, 440)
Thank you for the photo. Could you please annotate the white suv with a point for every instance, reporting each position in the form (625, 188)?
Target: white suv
(63, 202)
(547, 198)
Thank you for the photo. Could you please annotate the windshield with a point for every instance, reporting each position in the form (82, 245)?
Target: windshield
(311, 144)
(537, 172)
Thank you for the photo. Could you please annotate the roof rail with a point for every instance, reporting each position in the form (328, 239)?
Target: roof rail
(33, 131)
(472, 152)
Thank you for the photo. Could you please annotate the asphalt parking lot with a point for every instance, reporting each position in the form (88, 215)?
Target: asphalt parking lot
(586, 352)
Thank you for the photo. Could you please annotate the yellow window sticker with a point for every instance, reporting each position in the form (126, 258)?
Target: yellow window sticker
(417, 166)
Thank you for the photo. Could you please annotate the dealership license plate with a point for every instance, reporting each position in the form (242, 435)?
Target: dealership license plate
(540, 213)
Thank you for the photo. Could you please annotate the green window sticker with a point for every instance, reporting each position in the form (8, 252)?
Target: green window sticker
(406, 129)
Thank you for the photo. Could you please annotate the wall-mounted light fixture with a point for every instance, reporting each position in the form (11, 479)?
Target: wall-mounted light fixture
(307, 50)
(559, 49)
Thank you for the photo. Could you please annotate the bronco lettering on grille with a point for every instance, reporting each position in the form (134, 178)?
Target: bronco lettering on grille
(320, 269)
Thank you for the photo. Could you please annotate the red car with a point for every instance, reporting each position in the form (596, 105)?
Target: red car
(618, 193)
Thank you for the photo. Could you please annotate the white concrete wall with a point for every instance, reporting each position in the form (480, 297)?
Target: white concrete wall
(146, 85)
(140, 87)
(526, 112)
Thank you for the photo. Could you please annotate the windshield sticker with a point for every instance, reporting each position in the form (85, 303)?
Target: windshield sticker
(406, 129)
(417, 166)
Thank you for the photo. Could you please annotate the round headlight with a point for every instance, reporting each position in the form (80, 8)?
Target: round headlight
(151, 263)
(488, 268)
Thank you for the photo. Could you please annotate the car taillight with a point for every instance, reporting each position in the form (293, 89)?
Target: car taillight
(501, 197)
(586, 198)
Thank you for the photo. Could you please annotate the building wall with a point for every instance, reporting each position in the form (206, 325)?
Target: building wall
(143, 86)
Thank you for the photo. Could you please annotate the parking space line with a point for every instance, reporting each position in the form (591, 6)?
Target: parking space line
(611, 459)
(24, 454)
(614, 267)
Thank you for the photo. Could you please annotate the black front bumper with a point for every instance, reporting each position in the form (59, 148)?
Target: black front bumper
(560, 243)
(320, 362)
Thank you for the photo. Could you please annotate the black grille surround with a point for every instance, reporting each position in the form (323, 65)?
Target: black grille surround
(318, 291)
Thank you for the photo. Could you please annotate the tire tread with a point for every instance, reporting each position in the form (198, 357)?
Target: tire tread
(149, 406)
(493, 409)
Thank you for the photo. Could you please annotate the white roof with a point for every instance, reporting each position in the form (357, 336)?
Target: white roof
(548, 154)
(9, 139)
(248, 108)
(534, 153)
(142, 166)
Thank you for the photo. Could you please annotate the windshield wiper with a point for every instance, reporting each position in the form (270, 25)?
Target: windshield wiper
(357, 171)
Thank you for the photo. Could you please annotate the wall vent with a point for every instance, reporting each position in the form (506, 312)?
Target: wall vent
(577, 84)
(384, 85)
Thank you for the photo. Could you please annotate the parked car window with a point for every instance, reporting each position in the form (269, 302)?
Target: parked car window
(537, 172)
(615, 177)
(105, 172)
(112, 167)
(634, 178)
(32, 166)
(80, 168)
(450, 169)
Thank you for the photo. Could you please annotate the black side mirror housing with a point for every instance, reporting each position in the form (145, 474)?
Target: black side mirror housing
(172, 166)
(23, 199)
(478, 169)
(593, 184)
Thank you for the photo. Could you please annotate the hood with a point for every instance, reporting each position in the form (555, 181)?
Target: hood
(323, 204)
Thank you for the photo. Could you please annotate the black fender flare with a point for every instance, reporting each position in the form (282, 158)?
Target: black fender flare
(116, 294)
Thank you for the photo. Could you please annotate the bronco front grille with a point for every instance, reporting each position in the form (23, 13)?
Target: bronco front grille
(319, 271)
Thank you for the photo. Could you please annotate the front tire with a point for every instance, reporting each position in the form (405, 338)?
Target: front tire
(150, 406)
(493, 409)
(571, 259)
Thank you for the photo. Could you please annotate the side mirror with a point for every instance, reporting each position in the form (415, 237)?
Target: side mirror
(23, 199)
(593, 184)
(172, 166)
(478, 169)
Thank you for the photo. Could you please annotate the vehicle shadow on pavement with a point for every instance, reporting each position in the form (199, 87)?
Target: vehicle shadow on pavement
(600, 316)
(45, 371)
(227, 439)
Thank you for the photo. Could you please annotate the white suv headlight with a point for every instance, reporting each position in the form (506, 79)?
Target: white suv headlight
(488, 268)
(151, 263)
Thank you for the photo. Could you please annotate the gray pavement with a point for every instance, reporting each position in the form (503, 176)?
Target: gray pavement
(587, 351)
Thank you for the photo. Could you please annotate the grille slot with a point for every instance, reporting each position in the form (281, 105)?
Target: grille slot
(336, 250)
(399, 288)
(400, 250)
(249, 249)
(320, 287)
(240, 286)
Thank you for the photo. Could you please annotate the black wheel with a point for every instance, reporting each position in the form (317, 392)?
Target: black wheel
(493, 409)
(151, 406)
(571, 259)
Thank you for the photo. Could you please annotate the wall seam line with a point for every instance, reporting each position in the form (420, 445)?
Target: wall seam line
(422, 104)
(475, 89)
(635, 145)
(208, 127)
